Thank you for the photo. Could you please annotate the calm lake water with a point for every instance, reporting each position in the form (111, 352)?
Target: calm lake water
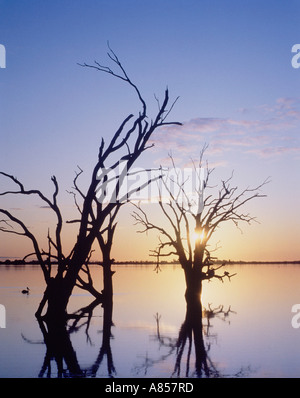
(249, 333)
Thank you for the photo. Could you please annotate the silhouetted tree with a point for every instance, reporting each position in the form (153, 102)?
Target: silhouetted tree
(98, 210)
(192, 219)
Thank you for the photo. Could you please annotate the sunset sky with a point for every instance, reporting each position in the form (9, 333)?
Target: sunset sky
(228, 61)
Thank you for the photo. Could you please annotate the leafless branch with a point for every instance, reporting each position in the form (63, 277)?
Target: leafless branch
(29, 235)
(188, 232)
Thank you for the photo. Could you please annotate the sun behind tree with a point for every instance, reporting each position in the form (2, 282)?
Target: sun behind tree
(193, 219)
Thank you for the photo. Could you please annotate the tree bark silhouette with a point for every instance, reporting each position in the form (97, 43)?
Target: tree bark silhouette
(97, 210)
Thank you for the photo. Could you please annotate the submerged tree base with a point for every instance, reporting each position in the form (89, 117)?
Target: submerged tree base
(56, 332)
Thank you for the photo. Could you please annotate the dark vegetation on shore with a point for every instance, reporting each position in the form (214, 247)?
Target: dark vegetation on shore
(8, 262)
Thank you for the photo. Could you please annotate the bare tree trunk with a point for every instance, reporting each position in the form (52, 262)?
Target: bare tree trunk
(56, 296)
(193, 279)
(59, 289)
(107, 291)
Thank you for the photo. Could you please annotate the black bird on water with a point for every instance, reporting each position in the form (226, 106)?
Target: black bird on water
(26, 291)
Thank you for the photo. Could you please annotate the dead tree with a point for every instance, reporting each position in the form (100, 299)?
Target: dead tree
(97, 211)
(192, 219)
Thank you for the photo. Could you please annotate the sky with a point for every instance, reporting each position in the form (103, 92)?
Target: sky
(230, 64)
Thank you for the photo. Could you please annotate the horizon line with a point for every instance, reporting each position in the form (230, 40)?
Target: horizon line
(19, 261)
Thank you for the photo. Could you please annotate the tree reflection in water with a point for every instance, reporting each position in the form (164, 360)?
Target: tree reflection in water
(192, 331)
(59, 349)
(193, 342)
(194, 336)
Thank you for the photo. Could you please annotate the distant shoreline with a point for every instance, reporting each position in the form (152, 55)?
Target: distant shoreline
(9, 262)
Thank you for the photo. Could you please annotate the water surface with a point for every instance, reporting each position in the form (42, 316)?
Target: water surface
(248, 332)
